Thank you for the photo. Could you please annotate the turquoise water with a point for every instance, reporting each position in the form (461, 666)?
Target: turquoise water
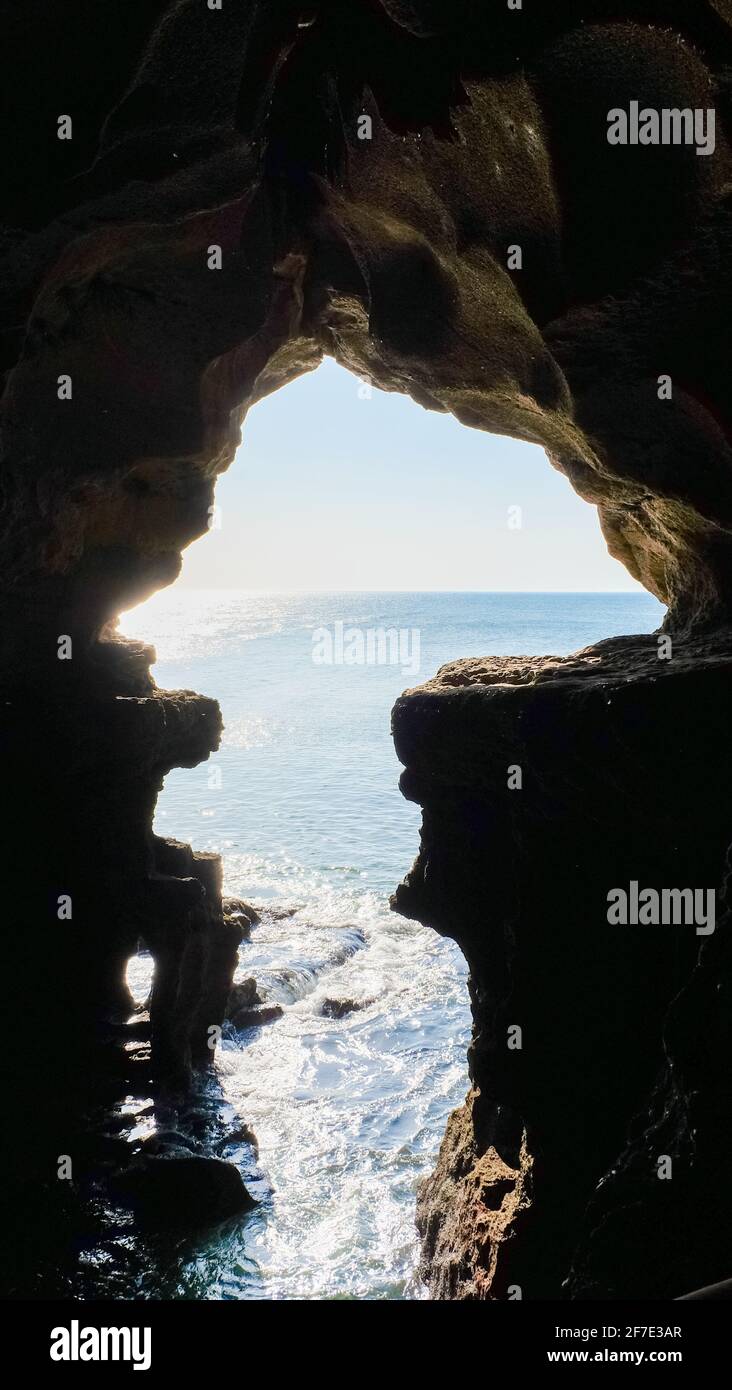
(302, 802)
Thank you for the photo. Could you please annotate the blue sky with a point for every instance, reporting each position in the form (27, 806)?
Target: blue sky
(332, 491)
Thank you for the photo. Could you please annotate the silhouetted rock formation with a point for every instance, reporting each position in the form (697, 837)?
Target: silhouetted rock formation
(129, 365)
(617, 784)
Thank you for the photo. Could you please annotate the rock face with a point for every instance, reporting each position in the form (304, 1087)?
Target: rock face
(617, 784)
(244, 190)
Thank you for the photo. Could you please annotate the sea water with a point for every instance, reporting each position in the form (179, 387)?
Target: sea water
(302, 802)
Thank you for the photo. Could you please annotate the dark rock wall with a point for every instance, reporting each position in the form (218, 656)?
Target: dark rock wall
(239, 128)
(618, 784)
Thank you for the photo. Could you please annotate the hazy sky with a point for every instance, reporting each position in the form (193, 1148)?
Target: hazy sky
(331, 491)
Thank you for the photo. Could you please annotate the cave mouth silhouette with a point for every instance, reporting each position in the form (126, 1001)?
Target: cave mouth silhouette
(255, 452)
(238, 513)
(216, 225)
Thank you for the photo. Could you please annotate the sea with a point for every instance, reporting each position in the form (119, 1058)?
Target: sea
(302, 802)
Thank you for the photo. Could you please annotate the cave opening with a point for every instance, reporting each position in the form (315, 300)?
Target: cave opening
(344, 1048)
(438, 207)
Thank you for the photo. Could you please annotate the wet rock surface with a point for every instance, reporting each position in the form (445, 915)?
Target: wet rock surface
(256, 1015)
(237, 913)
(340, 1008)
(173, 1189)
(242, 995)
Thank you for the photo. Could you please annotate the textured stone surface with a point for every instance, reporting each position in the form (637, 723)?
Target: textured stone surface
(239, 128)
(624, 1028)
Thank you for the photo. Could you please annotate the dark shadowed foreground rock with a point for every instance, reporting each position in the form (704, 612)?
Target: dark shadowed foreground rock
(553, 1176)
(176, 1191)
